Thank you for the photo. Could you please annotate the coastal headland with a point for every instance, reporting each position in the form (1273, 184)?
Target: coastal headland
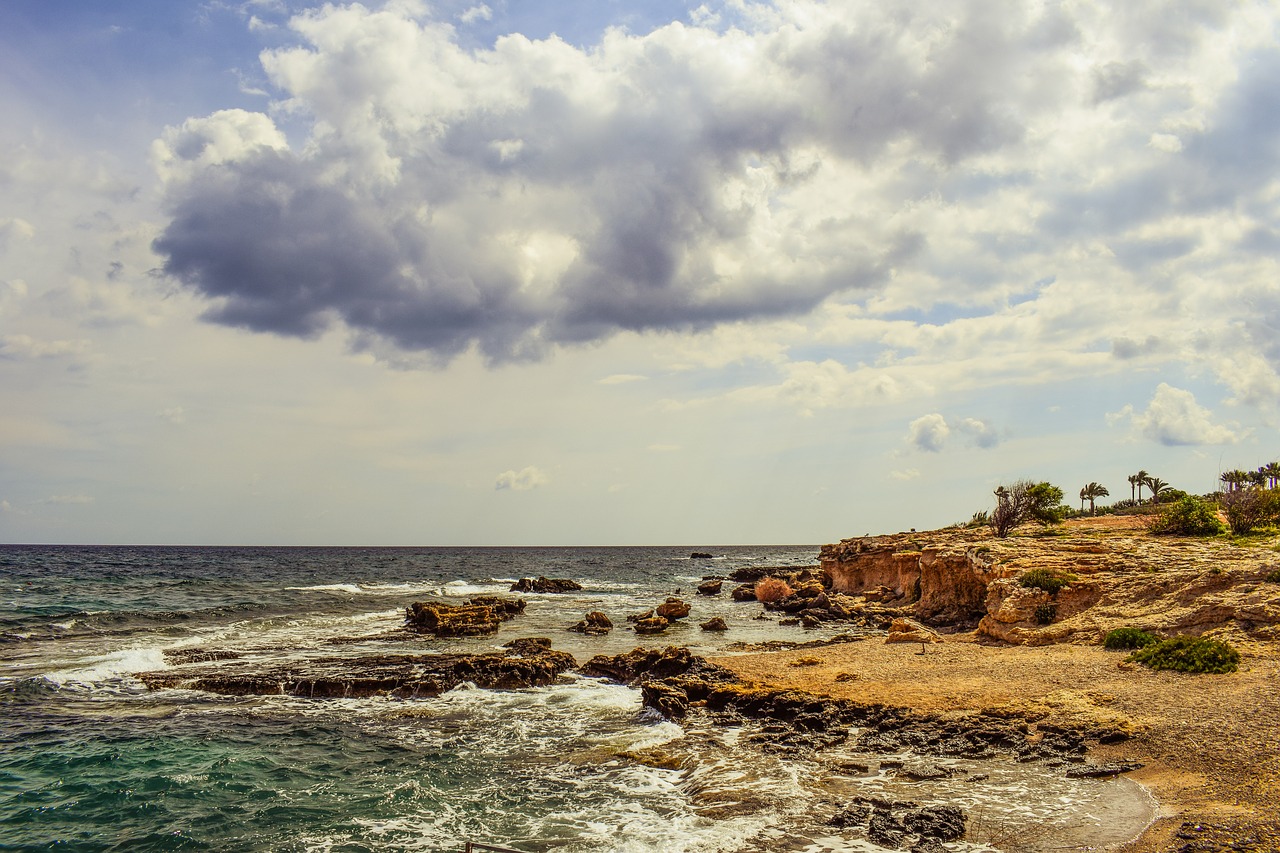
(1207, 743)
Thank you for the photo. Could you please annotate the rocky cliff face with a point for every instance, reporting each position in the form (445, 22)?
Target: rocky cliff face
(943, 574)
(1117, 574)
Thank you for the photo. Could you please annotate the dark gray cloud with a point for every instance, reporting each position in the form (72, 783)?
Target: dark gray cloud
(537, 194)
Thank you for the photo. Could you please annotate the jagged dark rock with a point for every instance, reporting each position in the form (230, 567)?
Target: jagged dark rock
(183, 656)
(478, 616)
(716, 623)
(700, 555)
(746, 592)
(884, 829)
(710, 587)
(854, 814)
(545, 584)
(941, 823)
(528, 662)
(594, 624)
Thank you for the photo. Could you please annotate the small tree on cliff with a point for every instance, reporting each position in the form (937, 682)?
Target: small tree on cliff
(1023, 501)
(1090, 493)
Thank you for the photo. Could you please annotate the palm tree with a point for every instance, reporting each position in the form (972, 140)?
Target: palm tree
(1156, 485)
(1140, 480)
(1090, 493)
(1272, 470)
(1133, 481)
(1235, 479)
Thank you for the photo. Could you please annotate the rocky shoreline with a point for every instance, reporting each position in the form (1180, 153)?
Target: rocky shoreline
(1003, 670)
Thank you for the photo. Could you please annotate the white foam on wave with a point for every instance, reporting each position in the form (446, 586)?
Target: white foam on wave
(469, 588)
(113, 666)
(345, 588)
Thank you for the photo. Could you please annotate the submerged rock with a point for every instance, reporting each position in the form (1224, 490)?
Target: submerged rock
(528, 662)
(543, 584)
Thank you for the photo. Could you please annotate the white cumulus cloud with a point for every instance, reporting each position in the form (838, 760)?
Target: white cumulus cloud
(928, 433)
(520, 481)
(1173, 417)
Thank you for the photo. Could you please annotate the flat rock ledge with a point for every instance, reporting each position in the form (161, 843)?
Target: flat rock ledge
(529, 662)
(677, 683)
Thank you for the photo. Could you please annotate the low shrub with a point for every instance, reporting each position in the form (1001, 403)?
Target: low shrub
(1273, 576)
(1046, 613)
(769, 590)
(1128, 638)
(1251, 508)
(1189, 654)
(1045, 579)
(1189, 516)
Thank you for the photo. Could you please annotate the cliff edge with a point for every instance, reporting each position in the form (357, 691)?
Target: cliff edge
(1112, 573)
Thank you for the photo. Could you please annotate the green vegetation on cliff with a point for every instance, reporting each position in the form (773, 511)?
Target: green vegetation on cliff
(1189, 654)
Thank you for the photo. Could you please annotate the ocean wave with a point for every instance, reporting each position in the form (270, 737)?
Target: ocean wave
(117, 623)
(348, 588)
(107, 668)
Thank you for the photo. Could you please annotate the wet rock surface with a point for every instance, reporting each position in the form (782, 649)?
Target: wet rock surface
(676, 682)
(594, 624)
(543, 584)
(899, 825)
(710, 587)
(476, 617)
(672, 609)
(529, 662)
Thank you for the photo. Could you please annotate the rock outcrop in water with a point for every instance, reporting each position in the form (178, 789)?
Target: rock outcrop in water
(476, 617)
(594, 624)
(529, 662)
(545, 585)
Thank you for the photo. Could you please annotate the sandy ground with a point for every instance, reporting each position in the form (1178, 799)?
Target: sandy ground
(1210, 743)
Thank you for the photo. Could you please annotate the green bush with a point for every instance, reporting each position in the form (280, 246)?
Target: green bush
(1189, 654)
(1190, 516)
(1128, 638)
(1045, 579)
(1273, 576)
(1046, 613)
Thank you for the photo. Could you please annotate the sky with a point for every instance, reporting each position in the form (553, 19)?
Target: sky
(603, 272)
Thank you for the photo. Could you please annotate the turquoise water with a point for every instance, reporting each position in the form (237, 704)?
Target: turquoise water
(91, 760)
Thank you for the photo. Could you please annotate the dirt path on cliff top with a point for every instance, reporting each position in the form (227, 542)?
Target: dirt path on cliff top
(1210, 743)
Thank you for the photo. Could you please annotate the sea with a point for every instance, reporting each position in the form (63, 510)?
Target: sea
(92, 760)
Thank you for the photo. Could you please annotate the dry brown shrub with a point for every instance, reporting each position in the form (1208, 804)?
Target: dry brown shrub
(769, 590)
